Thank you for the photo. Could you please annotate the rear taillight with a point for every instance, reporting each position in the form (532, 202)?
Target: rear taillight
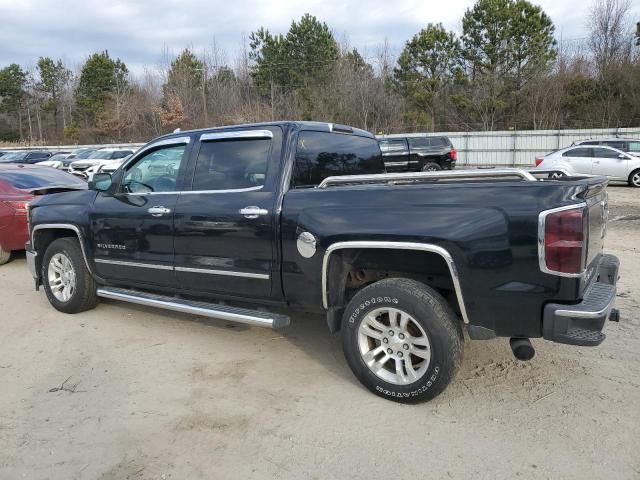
(19, 206)
(453, 154)
(563, 245)
(539, 161)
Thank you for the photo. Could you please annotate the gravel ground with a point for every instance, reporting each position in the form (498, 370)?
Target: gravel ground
(125, 392)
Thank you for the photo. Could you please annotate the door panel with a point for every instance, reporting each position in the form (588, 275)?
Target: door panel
(218, 249)
(580, 159)
(606, 162)
(132, 229)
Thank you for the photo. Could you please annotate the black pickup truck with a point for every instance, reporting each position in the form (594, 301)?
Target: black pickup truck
(252, 222)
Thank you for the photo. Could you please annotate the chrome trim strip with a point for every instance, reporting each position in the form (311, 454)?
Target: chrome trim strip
(222, 312)
(229, 273)
(124, 263)
(397, 164)
(237, 134)
(231, 190)
(389, 177)
(424, 247)
(542, 262)
(62, 226)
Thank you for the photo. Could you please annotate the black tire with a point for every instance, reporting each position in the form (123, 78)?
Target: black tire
(634, 179)
(5, 256)
(84, 293)
(431, 312)
(431, 167)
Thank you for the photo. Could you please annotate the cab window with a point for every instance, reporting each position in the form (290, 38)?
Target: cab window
(156, 171)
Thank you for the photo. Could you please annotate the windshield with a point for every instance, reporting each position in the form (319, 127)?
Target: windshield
(32, 178)
(10, 157)
(101, 154)
(84, 153)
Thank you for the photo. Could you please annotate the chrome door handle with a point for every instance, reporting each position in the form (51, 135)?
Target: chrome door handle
(253, 212)
(158, 211)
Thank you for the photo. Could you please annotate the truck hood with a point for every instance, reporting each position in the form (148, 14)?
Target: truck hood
(65, 196)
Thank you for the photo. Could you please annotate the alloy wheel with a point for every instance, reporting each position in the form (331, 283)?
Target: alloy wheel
(62, 277)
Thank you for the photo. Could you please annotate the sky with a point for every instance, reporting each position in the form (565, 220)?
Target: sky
(139, 31)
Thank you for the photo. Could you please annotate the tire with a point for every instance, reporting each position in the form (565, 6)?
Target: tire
(634, 179)
(5, 256)
(428, 317)
(431, 167)
(69, 286)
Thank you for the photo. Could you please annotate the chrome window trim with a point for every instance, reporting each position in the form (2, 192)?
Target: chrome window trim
(160, 143)
(230, 190)
(236, 134)
(542, 261)
(61, 226)
(124, 263)
(229, 273)
(424, 247)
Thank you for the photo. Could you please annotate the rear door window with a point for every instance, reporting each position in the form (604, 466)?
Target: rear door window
(393, 146)
(578, 152)
(323, 154)
(232, 164)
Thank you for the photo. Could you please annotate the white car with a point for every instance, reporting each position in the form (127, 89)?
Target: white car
(98, 158)
(106, 167)
(55, 161)
(594, 160)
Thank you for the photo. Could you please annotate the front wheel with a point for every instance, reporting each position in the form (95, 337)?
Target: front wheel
(402, 340)
(634, 179)
(68, 283)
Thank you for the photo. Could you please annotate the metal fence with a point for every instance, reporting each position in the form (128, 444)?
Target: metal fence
(516, 148)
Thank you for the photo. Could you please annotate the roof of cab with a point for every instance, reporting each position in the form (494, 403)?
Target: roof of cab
(299, 125)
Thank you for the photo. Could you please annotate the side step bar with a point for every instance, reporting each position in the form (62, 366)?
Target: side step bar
(212, 310)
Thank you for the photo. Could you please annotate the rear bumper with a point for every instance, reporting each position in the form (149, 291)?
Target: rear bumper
(582, 323)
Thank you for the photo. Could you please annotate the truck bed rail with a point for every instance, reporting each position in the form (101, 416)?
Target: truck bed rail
(474, 174)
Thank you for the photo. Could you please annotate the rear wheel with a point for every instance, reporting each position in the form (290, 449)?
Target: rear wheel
(5, 256)
(402, 340)
(69, 286)
(431, 167)
(634, 178)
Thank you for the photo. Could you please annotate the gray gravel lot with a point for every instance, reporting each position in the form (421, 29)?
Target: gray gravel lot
(125, 392)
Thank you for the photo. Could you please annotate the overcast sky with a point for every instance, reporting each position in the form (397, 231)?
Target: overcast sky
(139, 31)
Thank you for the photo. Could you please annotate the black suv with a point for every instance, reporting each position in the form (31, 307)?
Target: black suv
(628, 145)
(414, 154)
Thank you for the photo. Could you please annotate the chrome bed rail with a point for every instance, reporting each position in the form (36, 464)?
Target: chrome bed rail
(488, 173)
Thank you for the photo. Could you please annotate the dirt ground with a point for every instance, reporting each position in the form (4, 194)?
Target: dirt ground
(125, 392)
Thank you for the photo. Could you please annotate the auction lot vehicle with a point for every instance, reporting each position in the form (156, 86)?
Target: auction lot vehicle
(417, 154)
(19, 184)
(98, 158)
(601, 160)
(270, 218)
(26, 156)
(627, 145)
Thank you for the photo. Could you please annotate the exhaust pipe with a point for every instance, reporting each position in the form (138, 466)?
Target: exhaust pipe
(522, 348)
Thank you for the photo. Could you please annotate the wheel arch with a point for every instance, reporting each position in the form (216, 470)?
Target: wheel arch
(44, 234)
(332, 270)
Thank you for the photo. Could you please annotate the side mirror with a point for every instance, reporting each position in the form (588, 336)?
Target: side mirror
(100, 182)
(622, 156)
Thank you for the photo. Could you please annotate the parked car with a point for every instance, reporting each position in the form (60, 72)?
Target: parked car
(627, 145)
(4, 152)
(56, 160)
(415, 154)
(601, 160)
(19, 184)
(99, 157)
(107, 166)
(299, 216)
(77, 154)
(26, 156)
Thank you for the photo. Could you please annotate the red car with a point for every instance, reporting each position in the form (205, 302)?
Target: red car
(19, 184)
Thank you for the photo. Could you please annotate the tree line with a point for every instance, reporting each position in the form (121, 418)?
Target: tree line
(506, 70)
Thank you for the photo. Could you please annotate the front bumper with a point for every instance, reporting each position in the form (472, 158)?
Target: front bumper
(582, 323)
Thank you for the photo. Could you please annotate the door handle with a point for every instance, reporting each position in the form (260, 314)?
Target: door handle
(253, 212)
(158, 211)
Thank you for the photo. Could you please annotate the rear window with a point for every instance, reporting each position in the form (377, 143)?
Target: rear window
(322, 154)
(30, 178)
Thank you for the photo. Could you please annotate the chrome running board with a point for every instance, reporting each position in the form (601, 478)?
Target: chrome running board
(212, 310)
